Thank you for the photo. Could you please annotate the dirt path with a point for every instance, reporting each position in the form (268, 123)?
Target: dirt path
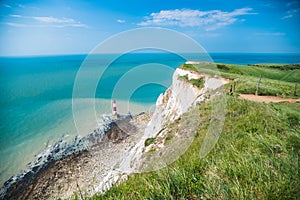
(267, 99)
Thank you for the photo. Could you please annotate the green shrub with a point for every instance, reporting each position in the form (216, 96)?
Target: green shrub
(197, 82)
(185, 77)
(223, 67)
(149, 141)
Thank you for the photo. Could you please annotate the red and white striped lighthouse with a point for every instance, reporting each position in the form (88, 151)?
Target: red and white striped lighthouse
(114, 108)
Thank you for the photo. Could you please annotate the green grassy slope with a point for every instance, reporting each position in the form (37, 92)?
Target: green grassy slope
(256, 157)
(275, 74)
(290, 75)
(275, 82)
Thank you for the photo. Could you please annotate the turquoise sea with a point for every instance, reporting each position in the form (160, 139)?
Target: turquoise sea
(36, 96)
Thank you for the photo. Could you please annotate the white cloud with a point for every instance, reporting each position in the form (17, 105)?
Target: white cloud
(287, 16)
(292, 12)
(60, 22)
(6, 5)
(48, 22)
(26, 6)
(18, 16)
(121, 21)
(270, 34)
(209, 20)
(54, 20)
(16, 24)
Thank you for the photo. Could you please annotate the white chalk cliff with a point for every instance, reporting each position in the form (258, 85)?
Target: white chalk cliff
(177, 100)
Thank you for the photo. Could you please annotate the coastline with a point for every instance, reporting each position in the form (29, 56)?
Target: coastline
(66, 169)
(33, 122)
(94, 163)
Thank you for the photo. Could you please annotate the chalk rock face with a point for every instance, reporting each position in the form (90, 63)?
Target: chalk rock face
(178, 99)
(170, 106)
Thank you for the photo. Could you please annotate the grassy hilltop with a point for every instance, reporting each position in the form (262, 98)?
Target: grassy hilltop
(277, 79)
(256, 157)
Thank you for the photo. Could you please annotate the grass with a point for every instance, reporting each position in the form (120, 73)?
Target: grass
(185, 77)
(278, 66)
(256, 157)
(189, 67)
(196, 82)
(275, 82)
(234, 70)
(269, 87)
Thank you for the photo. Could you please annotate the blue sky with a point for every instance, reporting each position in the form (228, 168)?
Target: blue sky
(32, 27)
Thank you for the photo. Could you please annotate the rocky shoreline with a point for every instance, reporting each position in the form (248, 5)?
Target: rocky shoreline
(84, 167)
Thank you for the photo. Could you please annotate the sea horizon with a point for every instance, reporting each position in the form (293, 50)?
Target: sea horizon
(138, 52)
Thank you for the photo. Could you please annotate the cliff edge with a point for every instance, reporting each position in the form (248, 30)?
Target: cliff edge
(173, 120)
